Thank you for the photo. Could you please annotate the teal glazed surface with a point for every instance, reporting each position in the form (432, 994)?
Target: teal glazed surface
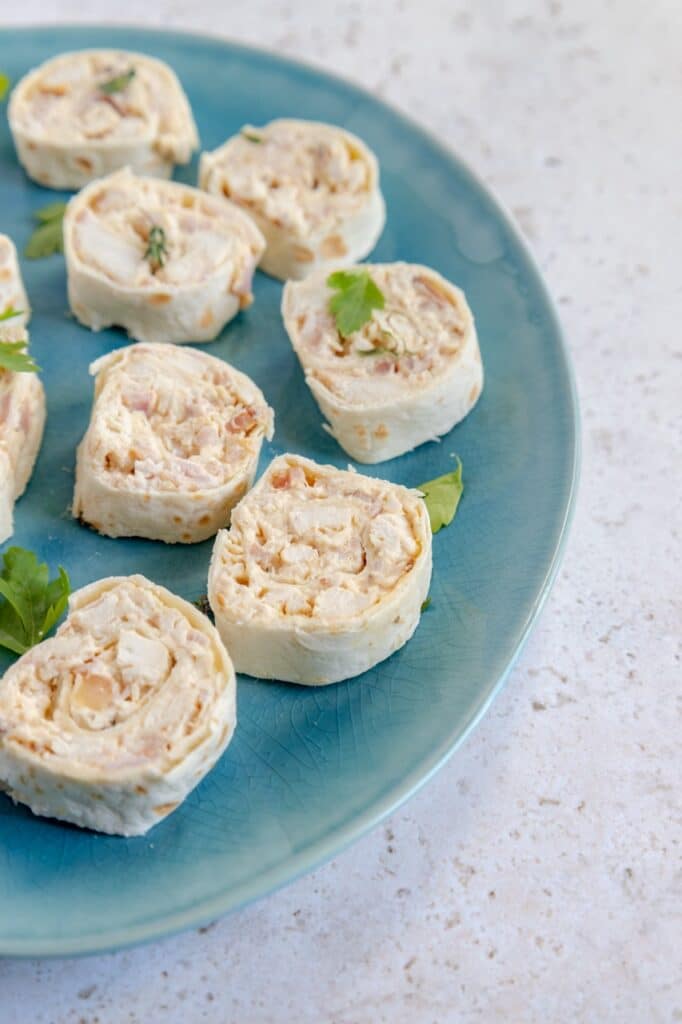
(308, 769)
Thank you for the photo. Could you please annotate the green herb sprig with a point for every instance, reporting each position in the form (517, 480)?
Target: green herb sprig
(48, 237)
(157, 250)
(392, 348)
(203, 604)
(118, 83)
(248, 133)
(5, 83)
(442, 497)
(10, 312)
(378, 350)
(13, 356)
(357, 296)
(30, 602)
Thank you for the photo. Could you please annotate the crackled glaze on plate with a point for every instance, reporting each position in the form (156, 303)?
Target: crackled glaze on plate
(308, 770)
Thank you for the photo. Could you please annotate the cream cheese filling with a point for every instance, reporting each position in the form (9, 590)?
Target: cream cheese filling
(111, 234)
(406, 345)
(301, 176)
(109, 692)
(174, 420)
(63, 102)
(312, 545)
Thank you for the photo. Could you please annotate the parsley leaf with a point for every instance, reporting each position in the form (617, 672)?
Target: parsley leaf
(442, 497)
(30, 603)
(53, 211)
(10, 312)
(202, 603)
(426, 604)
(47, 237)
(156, 251)
(118, 83)
(13, 357)
(356, 297)
(4, 85)
(251, 135)
(379, 350)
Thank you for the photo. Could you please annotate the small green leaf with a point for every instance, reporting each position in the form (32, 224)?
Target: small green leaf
(16, 603)
(379, 350)
(356, 297)
(247, 133)
(10, 312)
(45, 241)
(202, 603)
(426, 604)
(118, 83)
(57, 597)
(8, 641)
(30, 603)
(4, 85)
(157, 250)
(53, 211)
(14, 357)
(48, 236)
(25, 578)
(442, 497)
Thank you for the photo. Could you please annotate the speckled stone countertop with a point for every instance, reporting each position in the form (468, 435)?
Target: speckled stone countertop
(537, 877)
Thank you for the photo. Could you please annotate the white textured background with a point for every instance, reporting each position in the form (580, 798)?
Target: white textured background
(537, 878)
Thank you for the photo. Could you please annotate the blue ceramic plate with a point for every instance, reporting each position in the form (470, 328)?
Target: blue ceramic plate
(308, 770)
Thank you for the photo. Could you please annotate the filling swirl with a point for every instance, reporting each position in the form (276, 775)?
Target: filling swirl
(170, 419)
(130, 679)
(300, 176)
(314, 543)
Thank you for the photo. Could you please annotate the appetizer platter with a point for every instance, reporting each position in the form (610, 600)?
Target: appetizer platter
(276, 521)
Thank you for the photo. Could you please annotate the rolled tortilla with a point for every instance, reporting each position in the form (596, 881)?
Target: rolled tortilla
(12, 292)
(322, 573)
(312, 189)
(22, 420)
(114, 720)
(22, 398)
(407, 376)
(68, 130)
(211, 249)
(172, 445)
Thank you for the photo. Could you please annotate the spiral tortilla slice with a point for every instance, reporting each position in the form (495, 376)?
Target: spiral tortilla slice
(13, 295)
(407, 376)
(114, 720)
(82, 115)
(312, 189)
(22, 398)
(172, 445)
(165, 261)
(322, 573)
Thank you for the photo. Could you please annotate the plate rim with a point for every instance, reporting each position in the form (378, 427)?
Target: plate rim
(358, 825)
